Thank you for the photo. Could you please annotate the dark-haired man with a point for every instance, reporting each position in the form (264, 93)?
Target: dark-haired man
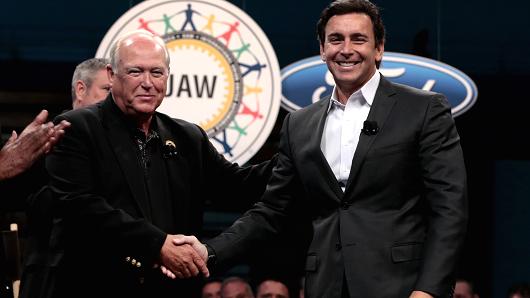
(379, 167)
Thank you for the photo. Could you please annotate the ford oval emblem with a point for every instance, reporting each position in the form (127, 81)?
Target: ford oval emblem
(308, 80)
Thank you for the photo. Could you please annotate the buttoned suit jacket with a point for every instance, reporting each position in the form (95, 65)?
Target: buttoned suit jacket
(400, 222)
(102, 220)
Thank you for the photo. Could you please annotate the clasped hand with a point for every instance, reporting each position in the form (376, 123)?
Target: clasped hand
(183, 256)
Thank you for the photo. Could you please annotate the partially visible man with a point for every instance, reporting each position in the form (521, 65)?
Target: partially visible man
(126, 179)
(272, 289)
(464, 289)
(212, 289)
(90, 82)
(236, 287)
(90, 85)
(378, 166)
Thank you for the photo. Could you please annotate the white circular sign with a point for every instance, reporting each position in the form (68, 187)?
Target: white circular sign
(224, 74)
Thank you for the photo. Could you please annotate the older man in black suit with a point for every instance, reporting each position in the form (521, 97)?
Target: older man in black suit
(127, 179)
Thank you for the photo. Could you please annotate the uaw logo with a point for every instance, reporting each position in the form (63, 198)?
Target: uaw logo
(308, 80)
(224, 74)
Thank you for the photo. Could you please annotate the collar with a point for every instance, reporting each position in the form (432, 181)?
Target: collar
(367, 91)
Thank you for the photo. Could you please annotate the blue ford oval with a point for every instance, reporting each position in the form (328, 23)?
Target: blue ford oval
(308, 80)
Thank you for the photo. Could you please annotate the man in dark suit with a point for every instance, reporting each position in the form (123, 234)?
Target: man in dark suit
(379, 167)
(127, 179)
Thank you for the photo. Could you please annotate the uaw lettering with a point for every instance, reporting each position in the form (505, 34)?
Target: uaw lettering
(224, 74)
(193, 87)
(308, 80)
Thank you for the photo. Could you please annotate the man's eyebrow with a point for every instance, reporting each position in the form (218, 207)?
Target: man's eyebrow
(357, 34)
(335, 34)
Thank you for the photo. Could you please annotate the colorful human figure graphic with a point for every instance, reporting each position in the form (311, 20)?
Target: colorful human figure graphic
(240, 130)
(145, 26)
(189, 18)
(244, 48)
(255, 114)
(228, 34)
(224, 143)
(252, 67)
(209, 24)
(167, 23)
(251, 90)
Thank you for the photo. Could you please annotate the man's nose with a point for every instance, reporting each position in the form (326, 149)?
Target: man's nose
(147, 81)
(347, 48)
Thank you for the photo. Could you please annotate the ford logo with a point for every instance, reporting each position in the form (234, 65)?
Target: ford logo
(308, 80)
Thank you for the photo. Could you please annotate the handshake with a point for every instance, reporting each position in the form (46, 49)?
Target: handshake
(183, 256)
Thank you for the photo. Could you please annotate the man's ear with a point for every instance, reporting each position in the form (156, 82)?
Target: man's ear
(322, 54)
(110, 73)
(80, 90)
(380, 50)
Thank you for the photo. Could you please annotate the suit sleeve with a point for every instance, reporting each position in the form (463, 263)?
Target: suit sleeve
(268, 216)
(444, 176)
(77, 199)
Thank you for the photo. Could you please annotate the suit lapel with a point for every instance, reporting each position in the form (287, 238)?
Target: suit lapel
(173, 156)
(381, 107)
(316, 138)
(176, 153)
(125, 153)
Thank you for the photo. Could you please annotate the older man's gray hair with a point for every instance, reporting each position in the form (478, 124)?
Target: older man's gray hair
(86, 72)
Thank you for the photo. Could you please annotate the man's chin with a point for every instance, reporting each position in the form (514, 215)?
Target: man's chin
(146, 108)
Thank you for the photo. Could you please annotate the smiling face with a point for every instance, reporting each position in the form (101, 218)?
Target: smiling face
(350, 51)
(139, 80)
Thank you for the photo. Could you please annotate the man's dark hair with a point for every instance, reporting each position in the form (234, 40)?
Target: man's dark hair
(341, 7)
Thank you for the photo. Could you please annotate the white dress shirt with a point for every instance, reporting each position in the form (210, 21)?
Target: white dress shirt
(343, 127)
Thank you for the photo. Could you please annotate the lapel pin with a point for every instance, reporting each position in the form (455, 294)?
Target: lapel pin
(370, 128)
(170, 149)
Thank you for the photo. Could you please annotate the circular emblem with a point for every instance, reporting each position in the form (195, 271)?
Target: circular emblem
(224, 74)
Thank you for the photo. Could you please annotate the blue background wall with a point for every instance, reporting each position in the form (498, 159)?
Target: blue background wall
(42, 41)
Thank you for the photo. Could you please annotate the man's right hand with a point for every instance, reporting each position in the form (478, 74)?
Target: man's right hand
(182, 261)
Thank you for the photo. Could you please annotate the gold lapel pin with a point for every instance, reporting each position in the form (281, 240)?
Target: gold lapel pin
(171, 144)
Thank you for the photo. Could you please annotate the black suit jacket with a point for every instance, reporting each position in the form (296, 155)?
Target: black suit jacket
(401, 220)
(100, 202)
